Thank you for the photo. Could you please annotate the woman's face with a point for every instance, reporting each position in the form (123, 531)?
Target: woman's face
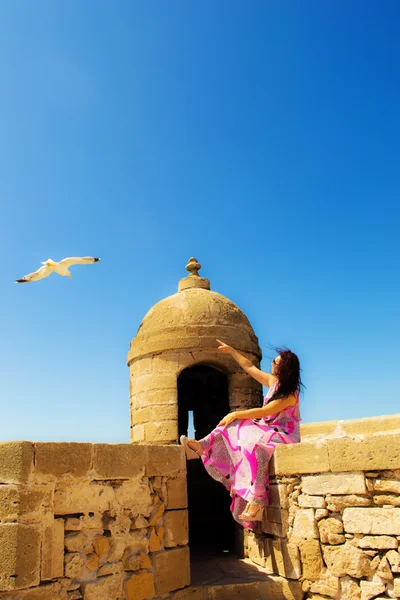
(274, 365)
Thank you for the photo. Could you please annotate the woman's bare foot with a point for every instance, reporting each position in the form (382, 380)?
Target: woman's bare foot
(196, 446)
(193, 448)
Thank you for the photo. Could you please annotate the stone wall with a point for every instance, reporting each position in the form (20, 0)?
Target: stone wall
(333, 523)
(105, 521)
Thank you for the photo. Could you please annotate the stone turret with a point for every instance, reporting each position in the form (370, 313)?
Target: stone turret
(174, 361)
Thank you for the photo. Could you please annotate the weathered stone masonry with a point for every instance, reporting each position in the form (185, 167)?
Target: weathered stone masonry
(333, 525)
(92, 520)
(109, 521)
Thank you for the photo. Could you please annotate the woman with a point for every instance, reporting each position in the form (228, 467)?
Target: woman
(238, 450)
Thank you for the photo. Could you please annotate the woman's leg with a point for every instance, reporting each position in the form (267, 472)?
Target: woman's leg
(259, 491)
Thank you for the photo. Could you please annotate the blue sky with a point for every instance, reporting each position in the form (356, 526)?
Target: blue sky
(262, 138)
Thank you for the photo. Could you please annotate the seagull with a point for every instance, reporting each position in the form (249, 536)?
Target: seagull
(61, 268)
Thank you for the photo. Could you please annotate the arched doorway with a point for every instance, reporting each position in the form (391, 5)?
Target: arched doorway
(203, 391)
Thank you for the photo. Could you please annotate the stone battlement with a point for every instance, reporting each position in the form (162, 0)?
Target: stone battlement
(110, 521)
(92, 520)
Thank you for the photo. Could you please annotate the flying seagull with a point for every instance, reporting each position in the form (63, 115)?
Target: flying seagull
(61, 268)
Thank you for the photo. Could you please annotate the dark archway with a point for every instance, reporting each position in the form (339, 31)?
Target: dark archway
(203, 390)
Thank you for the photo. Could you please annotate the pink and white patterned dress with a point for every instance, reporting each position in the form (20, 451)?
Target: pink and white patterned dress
(238, 455)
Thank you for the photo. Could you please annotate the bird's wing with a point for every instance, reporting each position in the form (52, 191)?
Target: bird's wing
(78, 260)
(44, 271)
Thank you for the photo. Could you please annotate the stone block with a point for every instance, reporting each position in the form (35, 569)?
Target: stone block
(383, 571)
(317, 428)
(141, 366)
(52, 563)
(16, 461)
(396, 587)
(104, 588)
(258, 550)
(272, 528)
(16, 502)
(171, 570)
(19, 556)
(327, 585)
(378, 542)
(371, 425)
(277, 515)
(330, 531)
(347, 560)
(282, 558)
(306, 457)
(169, 362)
(166, 460)
(394, 560)
(311, 559)
(156, 398)
(83, 498)
(140, 586)
(149, 382)
(135, 562)
(135, 496)
(164, 412)
(101, 546)
(177, 493)
(137, 434)
(334, 484)
(161, 432)
(306, 501)
(47, 591)
(64, 458)
(387, 500)
(157, 512)
(349, 589)
(338, 503)
(92, 563)
(387, 485)
(74, 565)
(154, 541)
(176, 528)
(371, 589)
(118, 461)
(278, 496)
(375, 521)
(364, 454)
(304, 526)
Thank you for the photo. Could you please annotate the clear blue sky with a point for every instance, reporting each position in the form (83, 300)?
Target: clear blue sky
(262, 138)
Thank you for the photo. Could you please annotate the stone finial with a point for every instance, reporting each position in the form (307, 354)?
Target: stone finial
(193, 280)
(193, 267)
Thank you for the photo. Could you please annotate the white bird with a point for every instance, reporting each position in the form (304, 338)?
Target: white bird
(61, 268)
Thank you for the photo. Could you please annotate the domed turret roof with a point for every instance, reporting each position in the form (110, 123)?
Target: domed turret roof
(192, 319)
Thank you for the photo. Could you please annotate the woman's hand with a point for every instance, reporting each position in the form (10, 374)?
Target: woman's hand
(234, 416)
(224, 347)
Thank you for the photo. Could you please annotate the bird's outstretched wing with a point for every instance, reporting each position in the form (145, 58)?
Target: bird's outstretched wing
(44, 271)
(78, 260)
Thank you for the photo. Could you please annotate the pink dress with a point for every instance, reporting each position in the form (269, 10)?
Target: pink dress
(238, 455)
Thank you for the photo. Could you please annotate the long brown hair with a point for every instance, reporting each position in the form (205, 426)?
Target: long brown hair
(288, 374)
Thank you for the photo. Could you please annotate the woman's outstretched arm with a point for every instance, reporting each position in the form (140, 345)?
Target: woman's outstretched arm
(272, 408)
(266, 379)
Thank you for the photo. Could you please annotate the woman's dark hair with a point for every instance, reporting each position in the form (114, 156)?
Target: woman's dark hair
(288, 374)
